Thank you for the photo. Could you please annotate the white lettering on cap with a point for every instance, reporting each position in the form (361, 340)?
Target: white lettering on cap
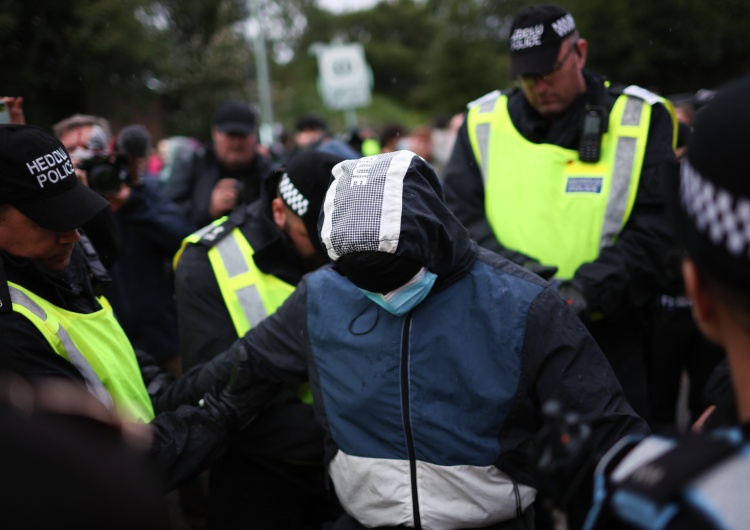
(523, 38)
(51, 168)
(564, 25)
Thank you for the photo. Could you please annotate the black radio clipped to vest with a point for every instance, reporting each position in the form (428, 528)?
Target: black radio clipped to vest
(594, 127)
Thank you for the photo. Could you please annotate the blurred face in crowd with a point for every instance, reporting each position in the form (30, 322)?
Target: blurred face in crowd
(552, 93)
(22, 237)
(234, 150)
(74, 139)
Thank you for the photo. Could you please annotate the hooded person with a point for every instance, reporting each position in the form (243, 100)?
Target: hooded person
(428, 357)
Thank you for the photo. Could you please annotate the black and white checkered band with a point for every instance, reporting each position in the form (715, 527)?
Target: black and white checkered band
(725, 219)
(292, 197)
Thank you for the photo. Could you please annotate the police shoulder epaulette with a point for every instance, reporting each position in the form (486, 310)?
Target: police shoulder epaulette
(492, 96)
(645, 496)
(640, 92)
(213, 233)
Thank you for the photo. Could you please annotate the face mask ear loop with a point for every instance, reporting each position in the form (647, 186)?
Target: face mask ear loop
(352, 329)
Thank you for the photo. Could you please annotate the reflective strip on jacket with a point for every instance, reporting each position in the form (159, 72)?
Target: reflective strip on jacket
(541, 200)
(96, 345)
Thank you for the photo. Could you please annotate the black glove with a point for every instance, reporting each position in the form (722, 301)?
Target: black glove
(546, 272)
(242, 399)
(573, 296)
(563, 463)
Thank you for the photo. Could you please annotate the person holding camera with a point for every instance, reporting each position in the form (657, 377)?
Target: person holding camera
(149, 229)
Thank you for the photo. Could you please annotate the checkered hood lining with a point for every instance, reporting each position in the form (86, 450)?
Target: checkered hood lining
(363, 206)
(292, 197)
(724, 219)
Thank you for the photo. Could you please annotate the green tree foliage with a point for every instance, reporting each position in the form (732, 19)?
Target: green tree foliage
(173, 61)
(671, 45)
(67, 57)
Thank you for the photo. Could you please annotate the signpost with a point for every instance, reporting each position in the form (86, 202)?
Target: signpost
(345, 80)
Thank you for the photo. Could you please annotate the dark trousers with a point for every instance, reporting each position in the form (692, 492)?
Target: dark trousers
(268, 496)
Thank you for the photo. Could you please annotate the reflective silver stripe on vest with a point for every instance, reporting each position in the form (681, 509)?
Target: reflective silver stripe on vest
(483, 138)
(622, 175)
(235, 264)
(485, 105)
(93, 383)
(632, 113)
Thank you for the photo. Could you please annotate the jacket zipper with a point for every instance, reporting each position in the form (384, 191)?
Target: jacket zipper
(406, 412)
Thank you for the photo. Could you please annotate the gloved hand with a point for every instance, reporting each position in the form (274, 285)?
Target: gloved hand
(563, 462)
(241, 400)
(546, 272)
(574, 298)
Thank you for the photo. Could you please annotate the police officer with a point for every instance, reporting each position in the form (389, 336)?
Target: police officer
(54, 325)
(562, 175)
(700, 481)
(229, 277)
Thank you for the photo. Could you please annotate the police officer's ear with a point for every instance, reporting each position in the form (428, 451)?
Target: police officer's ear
(280, 213)
(706, 308)
(582, 48)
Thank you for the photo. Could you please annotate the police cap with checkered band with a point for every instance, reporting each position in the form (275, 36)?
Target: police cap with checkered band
(302, 186)
(712, 208)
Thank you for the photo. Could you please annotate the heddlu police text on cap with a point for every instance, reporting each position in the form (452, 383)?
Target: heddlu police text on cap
(51, 168)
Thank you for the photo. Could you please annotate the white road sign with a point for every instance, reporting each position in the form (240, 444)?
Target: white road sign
(345, 78)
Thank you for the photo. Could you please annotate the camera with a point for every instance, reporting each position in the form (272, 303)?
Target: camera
(105, 173)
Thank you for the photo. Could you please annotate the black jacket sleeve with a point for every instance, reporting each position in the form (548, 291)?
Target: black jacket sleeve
(562, 362)
(278, 350)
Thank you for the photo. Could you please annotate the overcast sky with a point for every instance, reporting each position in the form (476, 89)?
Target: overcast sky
(338, 6)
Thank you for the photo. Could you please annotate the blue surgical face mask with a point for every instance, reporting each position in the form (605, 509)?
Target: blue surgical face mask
(406, 297)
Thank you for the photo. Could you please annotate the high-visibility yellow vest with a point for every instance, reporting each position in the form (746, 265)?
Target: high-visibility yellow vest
(541, 200)
(96, 345)
(249, 294)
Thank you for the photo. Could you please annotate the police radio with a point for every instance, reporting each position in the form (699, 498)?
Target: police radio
(594, 127)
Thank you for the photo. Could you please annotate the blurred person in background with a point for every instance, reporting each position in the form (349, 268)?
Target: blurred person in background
(225, 173)
(311, 132)
(391, 135)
